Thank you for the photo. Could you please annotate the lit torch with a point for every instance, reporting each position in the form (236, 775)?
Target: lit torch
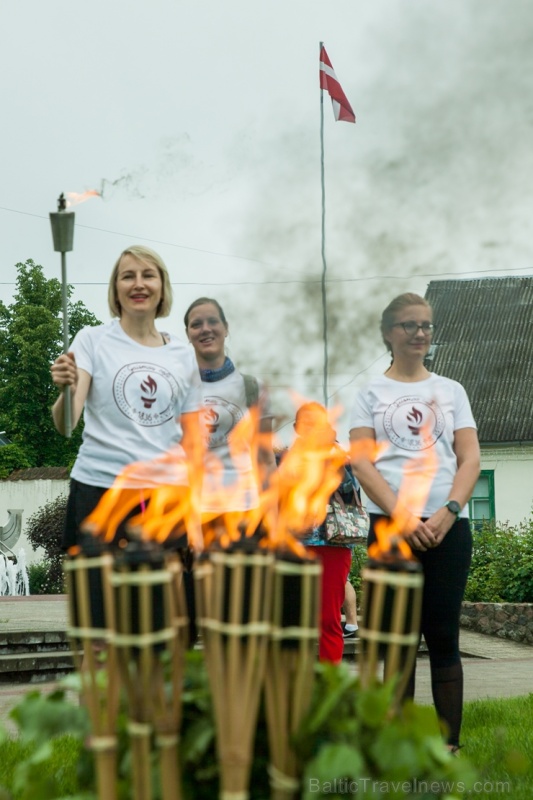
(62, 222)
(393, 581)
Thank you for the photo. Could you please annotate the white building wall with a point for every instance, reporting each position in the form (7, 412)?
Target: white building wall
(513, 481)
(29, 496)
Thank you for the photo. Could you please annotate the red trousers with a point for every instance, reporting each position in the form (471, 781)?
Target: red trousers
(336, 563)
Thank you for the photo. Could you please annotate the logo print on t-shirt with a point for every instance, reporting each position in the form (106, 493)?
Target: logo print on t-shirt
(413, 424)
(146, 393)
(219, 418)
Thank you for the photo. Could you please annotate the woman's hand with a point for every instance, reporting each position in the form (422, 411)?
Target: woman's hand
(440, 523)
(422, 536)
(64, 372)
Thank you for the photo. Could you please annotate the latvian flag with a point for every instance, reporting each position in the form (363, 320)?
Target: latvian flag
(328, 80)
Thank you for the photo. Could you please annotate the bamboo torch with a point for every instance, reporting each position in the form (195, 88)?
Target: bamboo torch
(145, 638)
(390, 630)
(90, 614)
(62, 222)
(290, 664)
(234, 595)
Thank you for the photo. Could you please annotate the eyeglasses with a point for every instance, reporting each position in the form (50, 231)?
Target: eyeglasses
(411, 327)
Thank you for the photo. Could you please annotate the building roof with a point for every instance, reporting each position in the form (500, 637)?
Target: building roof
(484, 339)
(40, 473)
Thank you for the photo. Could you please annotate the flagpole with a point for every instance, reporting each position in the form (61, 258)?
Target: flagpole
(323, 245)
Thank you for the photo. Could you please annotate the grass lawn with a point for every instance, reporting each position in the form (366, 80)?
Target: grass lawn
(497, 736)
(498, 739)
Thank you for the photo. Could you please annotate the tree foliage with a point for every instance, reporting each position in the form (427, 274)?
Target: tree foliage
(12, 457)
(30, 340)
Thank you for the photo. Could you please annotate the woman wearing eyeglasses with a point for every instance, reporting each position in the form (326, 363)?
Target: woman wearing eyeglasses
(407, 412)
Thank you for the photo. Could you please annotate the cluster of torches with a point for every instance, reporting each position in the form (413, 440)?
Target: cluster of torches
(257, 609)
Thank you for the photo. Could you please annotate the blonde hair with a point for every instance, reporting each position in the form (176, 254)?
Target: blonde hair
(388, 318)
(148, 256)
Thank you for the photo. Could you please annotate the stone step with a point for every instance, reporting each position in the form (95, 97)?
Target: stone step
(34, 656)
(35, 667)
(17, 642)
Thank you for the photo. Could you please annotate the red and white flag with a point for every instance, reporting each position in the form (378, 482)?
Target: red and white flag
(328, 80)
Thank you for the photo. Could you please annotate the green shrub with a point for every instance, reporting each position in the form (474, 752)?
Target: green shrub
(502, 564)
(45, 529)
(12, 457)
(349, 736)
(38, 577)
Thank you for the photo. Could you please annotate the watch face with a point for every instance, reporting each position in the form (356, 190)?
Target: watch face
(453, 506)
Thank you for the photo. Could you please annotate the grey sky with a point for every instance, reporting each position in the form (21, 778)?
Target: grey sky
(201, 122)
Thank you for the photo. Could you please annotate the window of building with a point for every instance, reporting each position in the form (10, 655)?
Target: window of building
(481, 504)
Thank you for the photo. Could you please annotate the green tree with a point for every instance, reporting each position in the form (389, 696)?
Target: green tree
(30, 340)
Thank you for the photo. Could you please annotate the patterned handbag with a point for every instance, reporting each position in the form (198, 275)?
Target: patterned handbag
(346, 523)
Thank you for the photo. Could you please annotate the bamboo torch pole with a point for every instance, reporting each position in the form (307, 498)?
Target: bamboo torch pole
(90, 624)
(290, 664)
(390, 629)
(234, 598)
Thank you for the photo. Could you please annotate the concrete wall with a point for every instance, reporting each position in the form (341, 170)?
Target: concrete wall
(30, 496)
(513, 481)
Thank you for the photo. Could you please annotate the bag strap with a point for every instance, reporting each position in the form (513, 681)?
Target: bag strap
(357, 500)
(251, 390)
(338, 497)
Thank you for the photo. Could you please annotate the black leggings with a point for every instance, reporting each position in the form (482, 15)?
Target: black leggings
(445, 574)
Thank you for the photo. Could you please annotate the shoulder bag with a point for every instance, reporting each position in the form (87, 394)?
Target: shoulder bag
(346, 523)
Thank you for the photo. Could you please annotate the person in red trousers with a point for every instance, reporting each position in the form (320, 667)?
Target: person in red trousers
(312, 422)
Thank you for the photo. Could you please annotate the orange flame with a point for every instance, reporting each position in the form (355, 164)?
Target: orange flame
(293, 499)
(75, 198)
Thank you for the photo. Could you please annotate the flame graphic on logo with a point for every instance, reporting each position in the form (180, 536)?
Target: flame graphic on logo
(148, 387)
(415, 418)
(211, 420)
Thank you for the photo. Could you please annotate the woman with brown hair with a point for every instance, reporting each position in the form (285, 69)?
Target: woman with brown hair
(408, 411)
(231, 468)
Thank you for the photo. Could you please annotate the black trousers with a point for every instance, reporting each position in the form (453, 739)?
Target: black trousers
(445, 574)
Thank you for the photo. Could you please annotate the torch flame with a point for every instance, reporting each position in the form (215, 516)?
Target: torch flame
(75, 198)
(291, 501)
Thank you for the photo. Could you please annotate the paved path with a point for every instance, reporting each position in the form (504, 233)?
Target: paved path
(493, 667)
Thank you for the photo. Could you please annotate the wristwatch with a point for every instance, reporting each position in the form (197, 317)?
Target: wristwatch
(453, 506)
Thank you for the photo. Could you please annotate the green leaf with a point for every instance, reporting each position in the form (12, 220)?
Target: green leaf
(374, 704)
(335, 764)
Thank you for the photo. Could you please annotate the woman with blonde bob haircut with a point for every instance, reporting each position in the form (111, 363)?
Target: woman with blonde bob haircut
(138, 389)
(148, 256)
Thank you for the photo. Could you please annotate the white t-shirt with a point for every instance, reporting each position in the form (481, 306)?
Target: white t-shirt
(229, 480)
(414, 426)
(132, 411)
